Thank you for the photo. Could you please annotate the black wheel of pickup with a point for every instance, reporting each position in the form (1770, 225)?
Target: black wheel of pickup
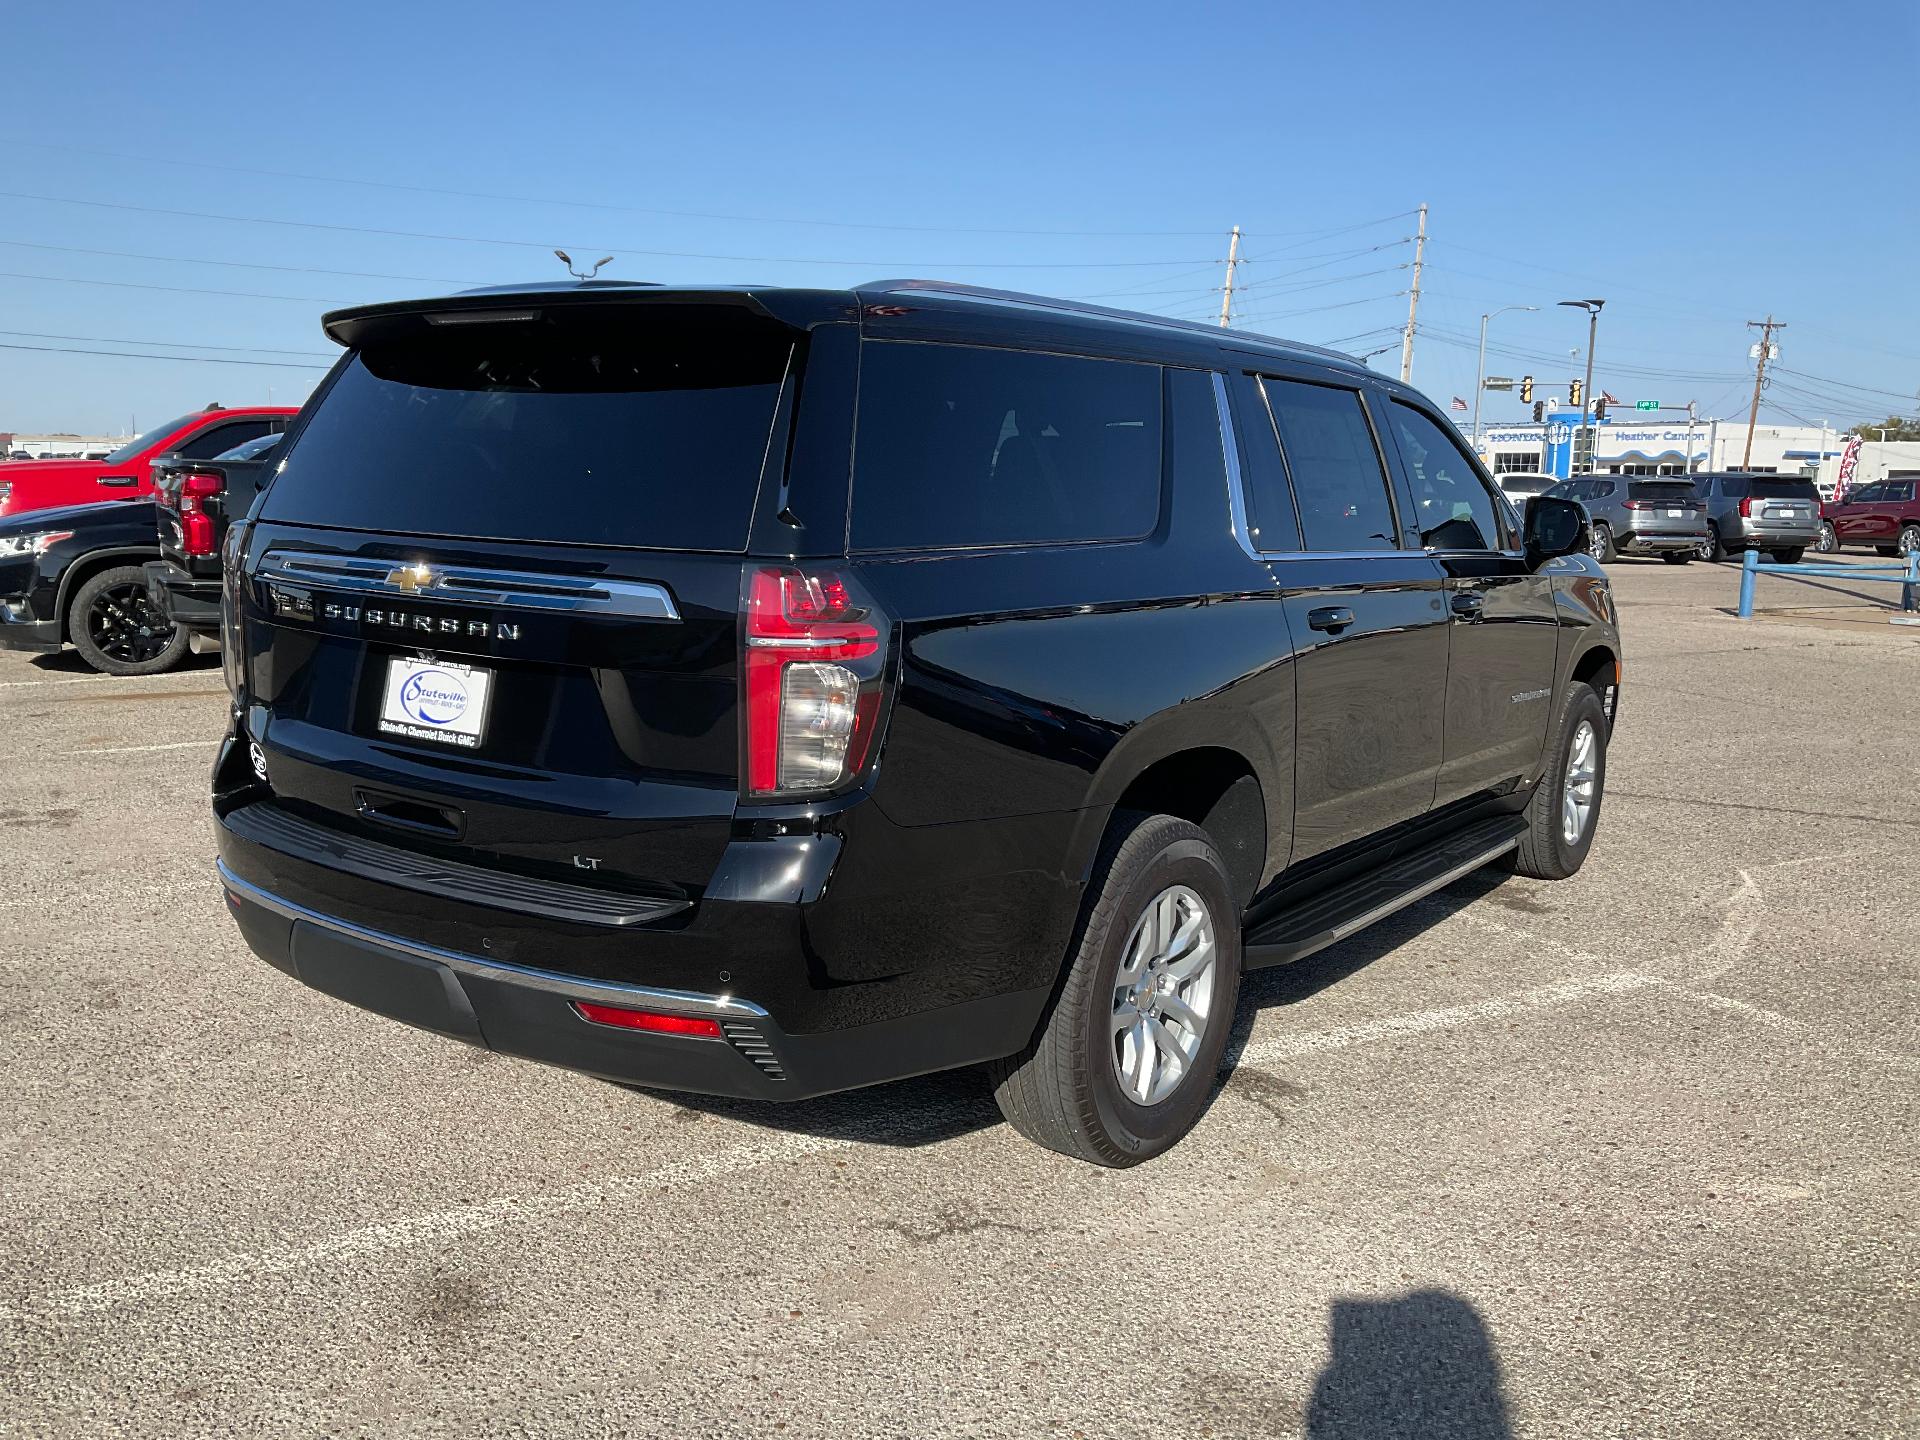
(118, 630)
(1128, 1058)
(1565, 808)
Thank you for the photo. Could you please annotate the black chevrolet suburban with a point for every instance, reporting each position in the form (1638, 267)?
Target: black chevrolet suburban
(766, 692)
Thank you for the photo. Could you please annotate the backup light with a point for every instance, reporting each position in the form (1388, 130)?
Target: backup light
(811, 681)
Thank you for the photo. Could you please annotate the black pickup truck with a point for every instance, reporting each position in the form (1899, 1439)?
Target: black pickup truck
(194, 500)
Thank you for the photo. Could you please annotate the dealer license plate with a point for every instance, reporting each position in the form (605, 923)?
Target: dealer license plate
(438, 701)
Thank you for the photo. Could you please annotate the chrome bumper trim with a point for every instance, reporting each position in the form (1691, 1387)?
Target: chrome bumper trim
(603, 992)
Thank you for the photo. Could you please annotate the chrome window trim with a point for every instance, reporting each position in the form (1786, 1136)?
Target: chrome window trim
(512, 589)
(642, 997)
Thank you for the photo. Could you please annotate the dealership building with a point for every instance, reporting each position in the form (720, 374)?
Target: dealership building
(1630, 444)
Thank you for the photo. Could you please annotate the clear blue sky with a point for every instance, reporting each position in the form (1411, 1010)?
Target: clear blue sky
(1695, 164)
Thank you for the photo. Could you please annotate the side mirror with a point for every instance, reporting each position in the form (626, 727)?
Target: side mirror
(1554, 527)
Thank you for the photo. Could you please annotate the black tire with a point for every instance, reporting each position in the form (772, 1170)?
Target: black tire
(1677, 557)
(116, 628)
(1601, 546)
(1829, 540)
(1788, 557)
(1890, 551)
(1064, 1090)
(1545, 853)
(1713, 550)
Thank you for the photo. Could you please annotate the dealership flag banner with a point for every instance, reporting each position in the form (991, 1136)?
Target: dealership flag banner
(1458, 403)
(1849, 461)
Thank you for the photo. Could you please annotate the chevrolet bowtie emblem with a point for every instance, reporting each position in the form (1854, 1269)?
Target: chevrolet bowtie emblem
(412, 577)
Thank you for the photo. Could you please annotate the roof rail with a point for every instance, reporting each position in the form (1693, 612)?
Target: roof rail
(1105, 312)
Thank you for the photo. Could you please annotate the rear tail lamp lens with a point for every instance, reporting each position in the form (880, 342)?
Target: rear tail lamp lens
(196, 525)
(1746, 505)
(654, 1022)
(811, 679)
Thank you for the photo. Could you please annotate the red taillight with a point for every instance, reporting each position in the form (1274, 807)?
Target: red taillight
(654, 1021)
(811, 680)
(1746, 505)
(196, 526)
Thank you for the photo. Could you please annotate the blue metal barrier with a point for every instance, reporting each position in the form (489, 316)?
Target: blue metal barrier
(1906, 576)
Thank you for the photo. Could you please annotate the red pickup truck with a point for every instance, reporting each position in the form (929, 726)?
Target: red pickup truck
(127, 474)
(1884, 515)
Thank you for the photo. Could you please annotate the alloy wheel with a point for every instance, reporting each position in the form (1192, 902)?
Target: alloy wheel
(1577, 795)
(1163, 995)
(1828, 541)
(126, 626)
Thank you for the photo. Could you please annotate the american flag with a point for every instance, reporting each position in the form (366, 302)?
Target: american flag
(1458, 403)
(1607, 395)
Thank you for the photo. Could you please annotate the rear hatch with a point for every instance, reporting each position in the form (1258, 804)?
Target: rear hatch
(1778, 503)
(1665, 506)
(493, 592)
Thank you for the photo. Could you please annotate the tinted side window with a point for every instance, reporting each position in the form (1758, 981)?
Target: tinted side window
(1900, 491)
(1337, 480)
(1867, 492)
(959, 445)
(1603, 488)
(1269, 499)
(1734, 489)
(1452, 509)
(217, 439)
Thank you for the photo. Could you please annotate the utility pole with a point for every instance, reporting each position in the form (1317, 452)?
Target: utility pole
(1688, 468)
(1413, 304)
(1233, 259)
(1766, 328)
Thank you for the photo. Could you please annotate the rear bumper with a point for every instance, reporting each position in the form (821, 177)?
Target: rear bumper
(183, 598)
(813, 994)
(1657, 540)
(1753, 536)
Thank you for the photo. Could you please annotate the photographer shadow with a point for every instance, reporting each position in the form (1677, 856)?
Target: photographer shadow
(1413, 1367)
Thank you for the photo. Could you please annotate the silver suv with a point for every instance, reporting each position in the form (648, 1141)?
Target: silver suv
(1776, 513)
(1632, 515)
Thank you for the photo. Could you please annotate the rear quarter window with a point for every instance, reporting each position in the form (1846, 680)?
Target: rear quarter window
(960, 446)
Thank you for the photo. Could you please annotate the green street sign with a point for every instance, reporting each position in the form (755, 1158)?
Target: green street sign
(1646, 404)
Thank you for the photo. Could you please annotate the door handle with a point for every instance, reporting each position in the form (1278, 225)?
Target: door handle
(1468, 604)
(118, 480)
(1331, 618)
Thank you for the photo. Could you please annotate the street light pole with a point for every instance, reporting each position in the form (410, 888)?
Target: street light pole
(1593, 308)
(1480, 379)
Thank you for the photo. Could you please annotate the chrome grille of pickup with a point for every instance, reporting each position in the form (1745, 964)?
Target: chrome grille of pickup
(278, 828)
(752, 1044)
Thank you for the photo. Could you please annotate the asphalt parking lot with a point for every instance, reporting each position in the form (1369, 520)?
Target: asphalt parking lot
(1633, 1155)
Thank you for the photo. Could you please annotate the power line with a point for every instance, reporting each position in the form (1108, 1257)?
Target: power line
(238, 264)
(628, 209)
(1317, 309)
(334, 228)
(188, 359)
(1329, 234)
(180, 344)
(171, 289)
(1844, 385)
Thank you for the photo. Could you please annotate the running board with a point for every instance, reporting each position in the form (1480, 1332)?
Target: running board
(1355, 904)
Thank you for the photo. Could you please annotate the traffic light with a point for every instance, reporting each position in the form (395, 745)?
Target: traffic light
(1574, 394)
(1526, 391)
(1599, 409)
(1539, 411)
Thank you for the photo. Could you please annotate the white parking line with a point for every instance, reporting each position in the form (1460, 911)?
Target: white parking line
(144, 749)
(1421, 1022)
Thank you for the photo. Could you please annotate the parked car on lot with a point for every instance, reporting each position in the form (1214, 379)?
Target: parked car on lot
(72, 576)
(194, 502)
(1522, 485)
(1635, 516)
(768, 692)
(127, 473)
(1883, 514)
(1779, 514)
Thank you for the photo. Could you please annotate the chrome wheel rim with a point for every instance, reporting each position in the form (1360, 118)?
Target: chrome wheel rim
(1163, 996)
(123, 623)
(1828, 541)
(1704, 549)
(1909, 541)
(1577, 795)
(1596, 543)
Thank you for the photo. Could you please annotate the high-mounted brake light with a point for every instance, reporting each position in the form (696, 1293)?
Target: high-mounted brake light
(655, 1022)
(811, 680)
(196, 525)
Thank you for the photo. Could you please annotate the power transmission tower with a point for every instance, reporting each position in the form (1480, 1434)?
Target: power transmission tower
(1413, 305)
(1766, 328)
(1233, 259)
